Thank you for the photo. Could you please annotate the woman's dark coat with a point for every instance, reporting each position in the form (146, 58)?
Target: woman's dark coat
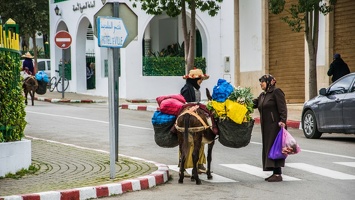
(272, 108)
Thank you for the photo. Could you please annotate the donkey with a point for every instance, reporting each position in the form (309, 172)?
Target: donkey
(30, 86)
(192, 126)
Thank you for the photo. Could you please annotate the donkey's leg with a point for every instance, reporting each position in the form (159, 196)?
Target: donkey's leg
(182, 164)
(209, 160)
(26, 93)
(195, 156)
(182, 158)
(32, 94)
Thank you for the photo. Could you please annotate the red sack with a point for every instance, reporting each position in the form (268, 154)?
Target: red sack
(178, 97)
(171, 104)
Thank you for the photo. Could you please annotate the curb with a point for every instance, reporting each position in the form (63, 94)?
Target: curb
(68, 100)
(289, 123)
(141, 183)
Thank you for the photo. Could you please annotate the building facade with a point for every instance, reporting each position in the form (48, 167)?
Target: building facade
(240, 44)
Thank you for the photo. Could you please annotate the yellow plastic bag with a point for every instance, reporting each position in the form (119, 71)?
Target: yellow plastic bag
(235, 111)
(219, 107)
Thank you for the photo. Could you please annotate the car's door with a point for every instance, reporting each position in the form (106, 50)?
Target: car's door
(349, 108)
(331, 107)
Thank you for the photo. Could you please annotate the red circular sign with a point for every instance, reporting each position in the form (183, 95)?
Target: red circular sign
(62, 39)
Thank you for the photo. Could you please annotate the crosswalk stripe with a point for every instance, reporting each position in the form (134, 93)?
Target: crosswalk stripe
(256, 171)
(349, 164)
(216, 178)
(321, 171)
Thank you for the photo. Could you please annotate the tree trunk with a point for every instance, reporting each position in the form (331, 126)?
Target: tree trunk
(190, 63)
(311, 24)
(186, 35)
(24, 43)
(34, 51)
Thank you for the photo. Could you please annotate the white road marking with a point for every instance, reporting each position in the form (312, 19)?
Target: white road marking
(89, 120)
(349, 164)
(321, 171)
(216, 178)
(256, 171)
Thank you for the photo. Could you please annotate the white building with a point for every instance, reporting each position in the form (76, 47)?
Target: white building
(240, 44)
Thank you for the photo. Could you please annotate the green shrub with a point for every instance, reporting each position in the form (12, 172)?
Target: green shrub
(12, 107)
(169, 66)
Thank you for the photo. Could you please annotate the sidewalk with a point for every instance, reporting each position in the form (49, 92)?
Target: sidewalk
(64, 167)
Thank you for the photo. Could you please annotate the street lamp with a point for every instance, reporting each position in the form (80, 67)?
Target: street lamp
(57, 11)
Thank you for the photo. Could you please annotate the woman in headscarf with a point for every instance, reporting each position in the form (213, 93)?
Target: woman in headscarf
(272, 107)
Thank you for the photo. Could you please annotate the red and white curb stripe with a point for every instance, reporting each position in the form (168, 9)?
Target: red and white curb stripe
(141, 183)
(68, 100)
(157, 177)
(139, 107)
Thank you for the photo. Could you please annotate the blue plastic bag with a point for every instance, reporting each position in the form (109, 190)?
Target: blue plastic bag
(42, 76)
(222, 90)
(276, 149)
(162, 118)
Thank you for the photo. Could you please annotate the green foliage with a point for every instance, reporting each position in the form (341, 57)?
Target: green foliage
(31, 16)
(244, 97)
(12, 108)
(169, 66)
(173, 8)
(31, 170)
(173, 50)
(240, 95)
(298, 12)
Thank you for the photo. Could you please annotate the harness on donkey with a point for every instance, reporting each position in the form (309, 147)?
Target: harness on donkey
(193, 126)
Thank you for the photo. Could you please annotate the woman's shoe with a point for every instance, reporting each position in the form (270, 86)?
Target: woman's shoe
(275, 178)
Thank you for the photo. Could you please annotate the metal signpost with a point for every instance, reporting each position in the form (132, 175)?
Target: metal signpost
(112, 33)
(63, 40)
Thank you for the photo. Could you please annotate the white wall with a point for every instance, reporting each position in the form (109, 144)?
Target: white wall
(250, 35)
(217, 38)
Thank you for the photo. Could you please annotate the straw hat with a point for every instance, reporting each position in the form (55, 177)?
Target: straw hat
(27, 55)
(196, 73)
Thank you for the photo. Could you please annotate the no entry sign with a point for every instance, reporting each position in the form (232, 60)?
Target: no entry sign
(62, 39)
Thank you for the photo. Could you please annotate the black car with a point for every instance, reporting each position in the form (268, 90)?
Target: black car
(333, 111)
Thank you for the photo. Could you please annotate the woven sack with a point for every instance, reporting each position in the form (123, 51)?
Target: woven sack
(235, 135)
(42, 87)
(163, 137)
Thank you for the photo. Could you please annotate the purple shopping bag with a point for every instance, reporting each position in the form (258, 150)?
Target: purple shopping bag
(276, 149)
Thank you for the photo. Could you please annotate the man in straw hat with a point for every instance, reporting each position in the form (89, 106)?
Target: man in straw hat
(27, 64)
(191, 92)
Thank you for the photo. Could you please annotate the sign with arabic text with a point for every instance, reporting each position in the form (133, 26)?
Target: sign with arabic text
(111, 32)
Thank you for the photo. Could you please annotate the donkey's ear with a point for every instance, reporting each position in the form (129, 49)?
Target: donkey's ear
(208, 94)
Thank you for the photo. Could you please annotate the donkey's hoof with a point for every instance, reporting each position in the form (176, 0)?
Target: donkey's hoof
(209, 177)
(198, 182)
(181, 181)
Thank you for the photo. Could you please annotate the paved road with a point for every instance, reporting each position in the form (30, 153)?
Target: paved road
(323, 170)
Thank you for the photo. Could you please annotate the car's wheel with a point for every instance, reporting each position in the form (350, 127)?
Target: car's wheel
(309, 125)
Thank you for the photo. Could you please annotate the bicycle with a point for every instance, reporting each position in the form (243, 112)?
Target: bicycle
(57, 83)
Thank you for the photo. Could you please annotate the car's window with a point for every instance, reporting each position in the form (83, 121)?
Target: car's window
(342, 86)
(352, 88)
(41, 66)
(49, 65)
